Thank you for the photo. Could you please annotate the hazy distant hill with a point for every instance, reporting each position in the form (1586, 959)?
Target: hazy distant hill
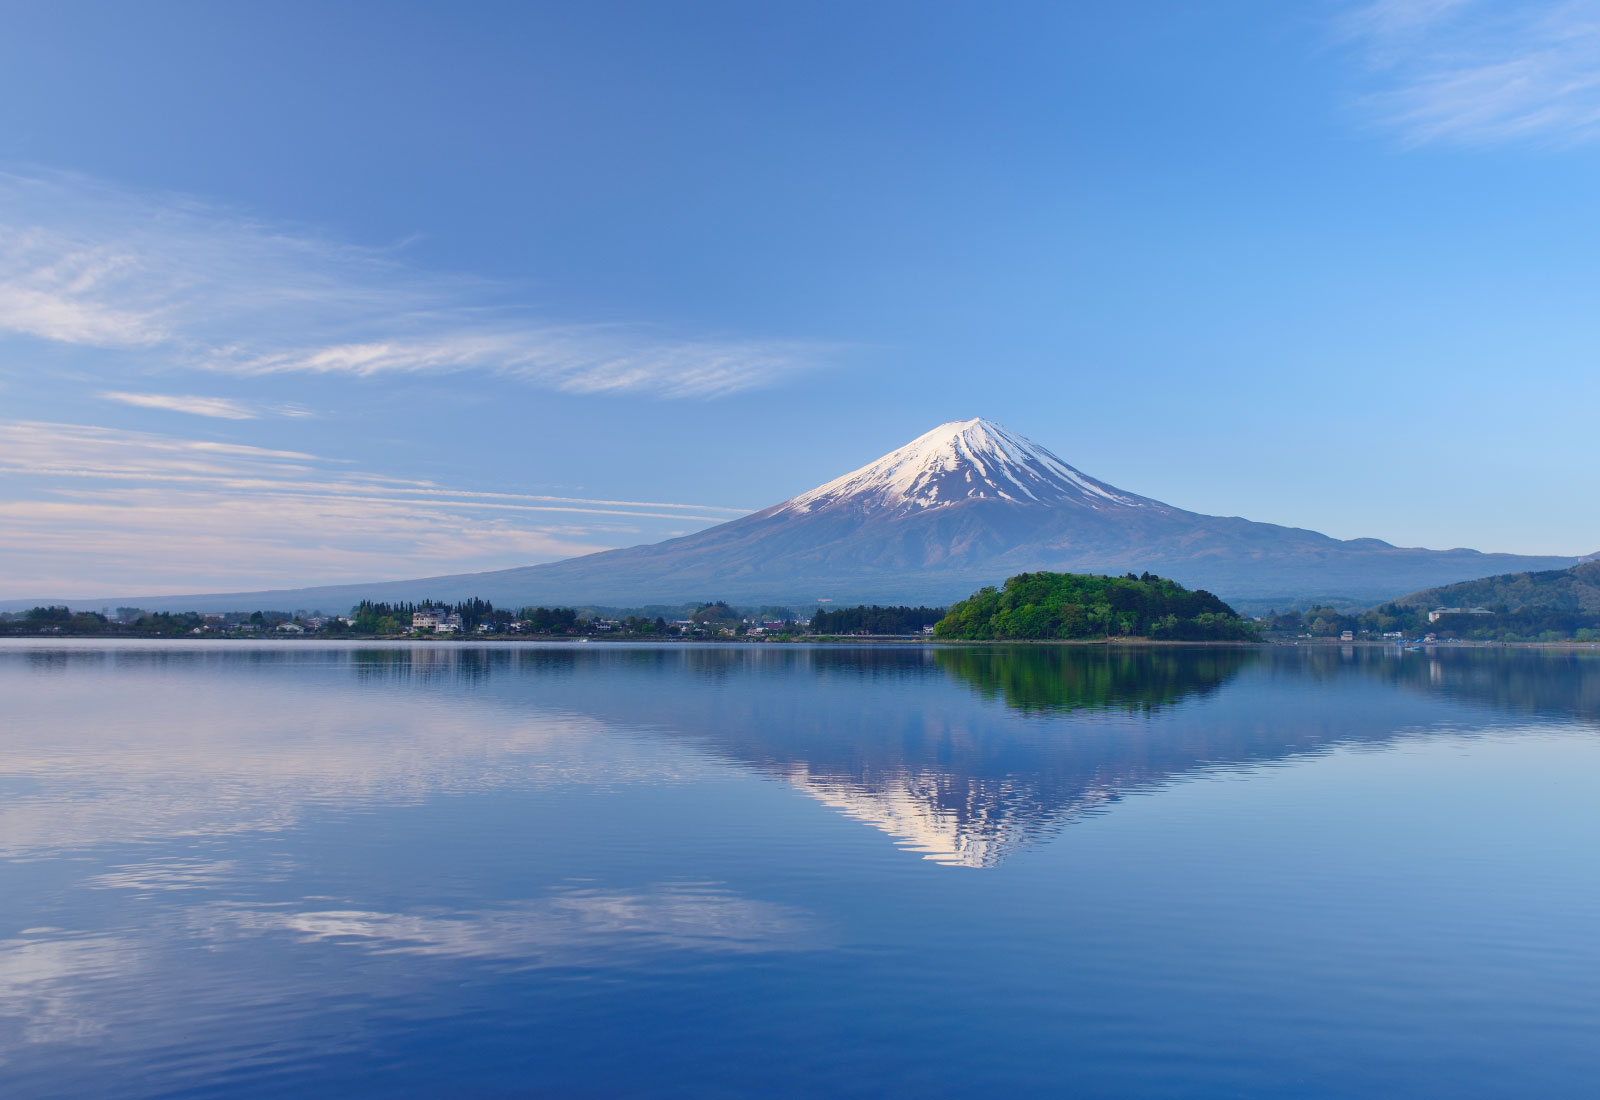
(965, 505)
(1576, 589)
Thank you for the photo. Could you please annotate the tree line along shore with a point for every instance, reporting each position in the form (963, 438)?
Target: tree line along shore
(1030, 607)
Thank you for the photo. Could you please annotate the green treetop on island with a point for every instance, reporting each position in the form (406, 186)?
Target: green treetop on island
(1077, 605)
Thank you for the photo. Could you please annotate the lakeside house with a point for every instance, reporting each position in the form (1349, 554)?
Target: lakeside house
(437, 619)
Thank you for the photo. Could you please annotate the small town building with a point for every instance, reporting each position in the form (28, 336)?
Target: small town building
(426, 620)
(1440, 612)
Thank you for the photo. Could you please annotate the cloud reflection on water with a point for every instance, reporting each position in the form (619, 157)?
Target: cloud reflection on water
(121, 746)
(573, 927)
(64, 987)
(47, 977)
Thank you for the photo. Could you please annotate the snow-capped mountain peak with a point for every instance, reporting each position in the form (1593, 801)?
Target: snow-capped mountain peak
(961, 461)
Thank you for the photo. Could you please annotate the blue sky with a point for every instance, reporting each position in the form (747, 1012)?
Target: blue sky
(318, 292)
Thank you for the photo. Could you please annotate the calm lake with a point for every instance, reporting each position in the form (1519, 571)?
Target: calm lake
(607, 870)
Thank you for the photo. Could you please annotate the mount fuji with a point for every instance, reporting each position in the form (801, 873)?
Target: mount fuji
(965, 505)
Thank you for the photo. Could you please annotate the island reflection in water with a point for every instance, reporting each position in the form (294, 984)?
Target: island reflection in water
(187, 829)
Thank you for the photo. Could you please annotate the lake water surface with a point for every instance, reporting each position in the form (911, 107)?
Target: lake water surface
(608, 870)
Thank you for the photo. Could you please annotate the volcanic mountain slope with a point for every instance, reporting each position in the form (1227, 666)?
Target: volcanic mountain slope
(971, 503)
(965, 505)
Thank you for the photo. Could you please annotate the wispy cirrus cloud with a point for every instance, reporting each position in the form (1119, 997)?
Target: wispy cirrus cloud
(193, 514)
(1480, 72)
(589, 359)
(219, 408)
(172, 281)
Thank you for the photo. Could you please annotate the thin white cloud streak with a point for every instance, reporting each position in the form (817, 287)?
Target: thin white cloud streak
(1388, 20)
(220, 408)
(1477, 72)
(89, 451)
(595, 359)
(136, 513)
(173, 281)
(152, 544)
(63, 290)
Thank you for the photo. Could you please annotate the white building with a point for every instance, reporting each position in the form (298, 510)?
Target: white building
(436, 619)
(1440, 612)
(425, 620)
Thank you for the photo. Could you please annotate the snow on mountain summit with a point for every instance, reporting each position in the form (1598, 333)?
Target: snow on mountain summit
(960, 461)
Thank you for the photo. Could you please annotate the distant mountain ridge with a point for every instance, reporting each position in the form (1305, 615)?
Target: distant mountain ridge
(965, 505)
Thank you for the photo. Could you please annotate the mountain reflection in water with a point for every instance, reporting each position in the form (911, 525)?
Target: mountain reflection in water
(954, 781)
(961, 785)
(962, 755)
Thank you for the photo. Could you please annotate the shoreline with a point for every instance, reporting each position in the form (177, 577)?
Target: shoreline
(866, 640)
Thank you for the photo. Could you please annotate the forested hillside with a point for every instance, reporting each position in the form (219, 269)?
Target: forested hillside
(1574, 590)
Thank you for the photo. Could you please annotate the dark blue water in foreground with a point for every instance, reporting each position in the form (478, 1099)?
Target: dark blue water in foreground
(607, 871)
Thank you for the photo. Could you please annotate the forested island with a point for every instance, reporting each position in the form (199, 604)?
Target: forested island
(1071, 606)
